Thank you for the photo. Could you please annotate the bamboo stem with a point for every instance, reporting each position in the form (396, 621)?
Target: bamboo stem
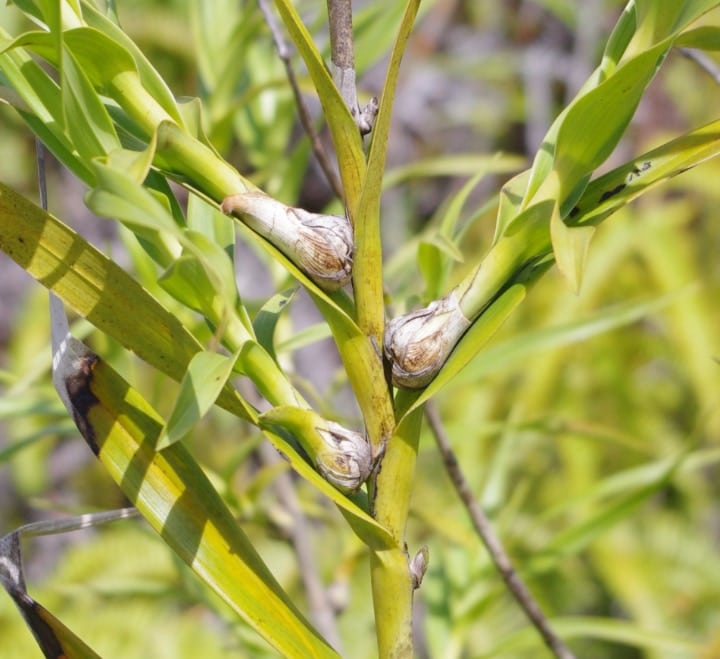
(392, 580)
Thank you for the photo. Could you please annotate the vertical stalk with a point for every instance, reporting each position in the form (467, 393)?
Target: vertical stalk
(392, 583)
(392, 600)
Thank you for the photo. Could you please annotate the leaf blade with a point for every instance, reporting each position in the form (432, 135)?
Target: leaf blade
(101, 291)
(175, 496)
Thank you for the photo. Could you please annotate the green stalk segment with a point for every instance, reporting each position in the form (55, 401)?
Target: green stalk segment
(392, 580)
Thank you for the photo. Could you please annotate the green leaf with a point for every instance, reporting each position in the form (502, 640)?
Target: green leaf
(344, 131)
(205, 378)
(455, 165)
(618, 41)
(609, 192)
(511, 197)
(118, 195)
(207, 285)
(38, 100)
(574, 538)
(305, 337)
(706, 37)
(430, 264)
(365, 215)
(175, 496)
(451, 214)
(504, 354)
(32, 8)
(88, 123)
(98, 289)
(633, 479)
(151, 80)
(595, 122)
(267, 319)
(223, 33)
(206, 219)
(672, 19)
(570, 246)
(111, 68)
(613, 630)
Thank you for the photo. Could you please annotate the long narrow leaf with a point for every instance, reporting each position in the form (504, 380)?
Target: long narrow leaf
(607, 193)
(172, 492)
(367, 270)
(98, 289)
(345, 133)
(518, 348)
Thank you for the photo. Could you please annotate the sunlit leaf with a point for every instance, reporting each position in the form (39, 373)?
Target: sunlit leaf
(98, 289)
(171, 491)
(365, 214)
(345, 133)
(206, 376)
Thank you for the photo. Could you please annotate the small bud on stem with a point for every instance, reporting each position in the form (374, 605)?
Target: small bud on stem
(320, 245)
(343, 457)
(418, 343)
(346, 462)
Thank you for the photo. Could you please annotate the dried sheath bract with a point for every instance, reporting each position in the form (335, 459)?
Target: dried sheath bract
(343, 457)
(320, 245)
(346, 458)
(417, 344)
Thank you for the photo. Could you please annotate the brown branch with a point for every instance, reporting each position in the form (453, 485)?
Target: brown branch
(304, 114)
(343, 64)
(492, 542)
(705, 62)
(341, 55)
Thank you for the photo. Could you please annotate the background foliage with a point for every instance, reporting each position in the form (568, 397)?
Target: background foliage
(588, 430)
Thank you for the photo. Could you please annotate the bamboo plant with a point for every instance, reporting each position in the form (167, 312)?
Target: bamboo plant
(93, 99)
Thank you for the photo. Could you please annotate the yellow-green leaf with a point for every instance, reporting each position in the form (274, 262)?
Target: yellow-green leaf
(345, 133)
(98, 289)
(175, 496)
(207, 374)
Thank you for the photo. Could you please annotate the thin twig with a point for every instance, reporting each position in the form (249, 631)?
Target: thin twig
(321, 609)
(491, 541)
(343, 64)
(704, 61)
(304, 114)
(341, 55)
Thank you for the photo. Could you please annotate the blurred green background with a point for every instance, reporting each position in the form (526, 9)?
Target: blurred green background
(589, 429)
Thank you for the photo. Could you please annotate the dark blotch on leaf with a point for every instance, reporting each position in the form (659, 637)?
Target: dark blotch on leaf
(82, 398)
(611, 193)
